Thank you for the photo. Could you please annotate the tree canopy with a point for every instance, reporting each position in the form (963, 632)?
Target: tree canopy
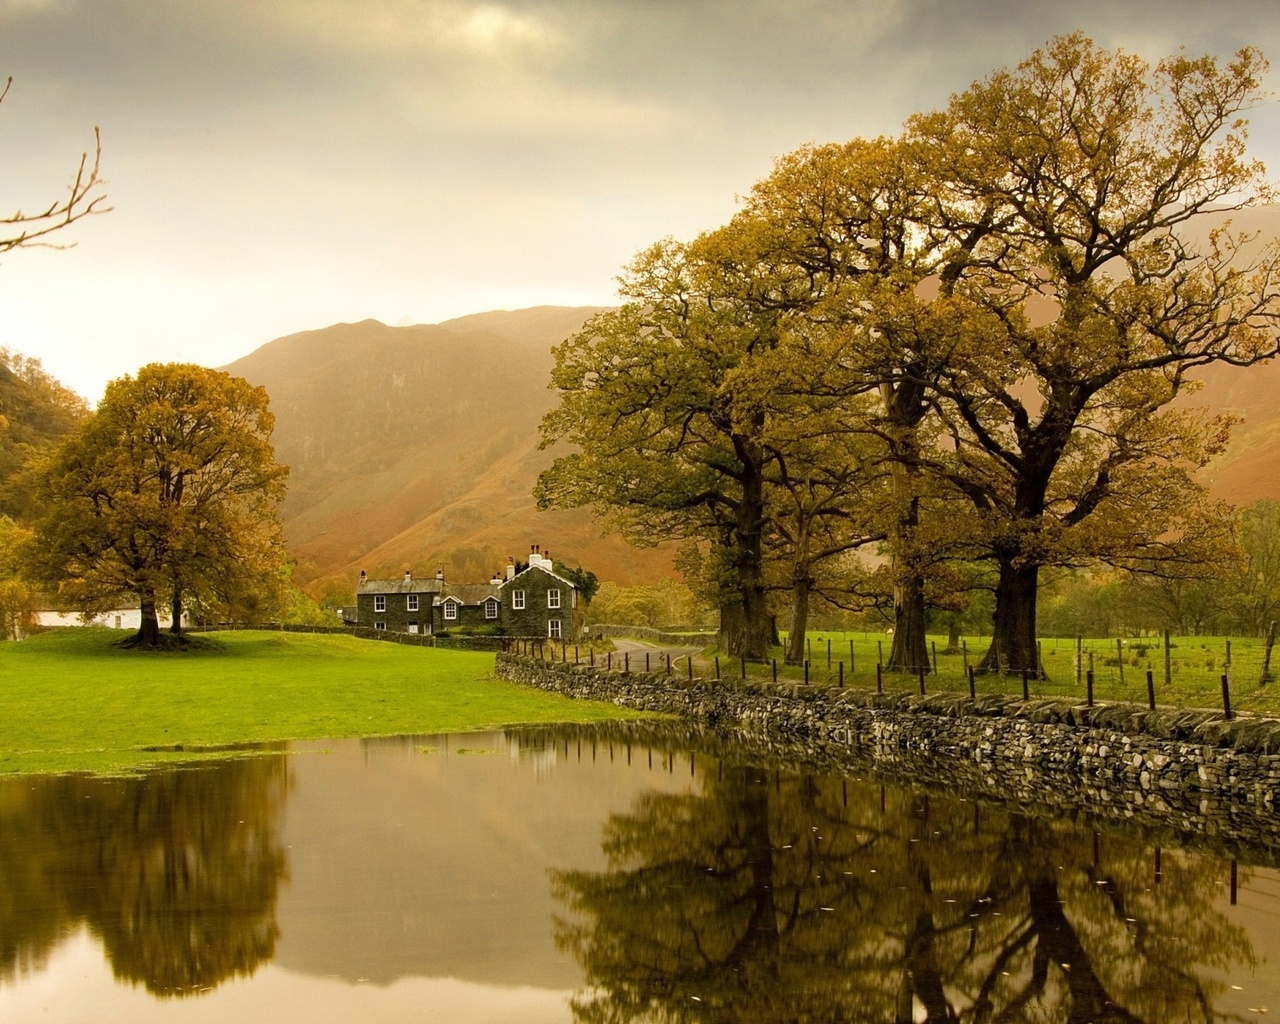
(976, 329)
(168, 493)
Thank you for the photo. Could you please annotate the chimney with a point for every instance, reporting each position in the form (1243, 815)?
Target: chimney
(408, 576)
(511, 568)
(363, 576)
(440, 573)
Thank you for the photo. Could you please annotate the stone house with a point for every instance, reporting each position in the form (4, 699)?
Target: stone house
(530, 600)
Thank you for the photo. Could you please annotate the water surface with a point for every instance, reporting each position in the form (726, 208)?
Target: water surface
(544, 875)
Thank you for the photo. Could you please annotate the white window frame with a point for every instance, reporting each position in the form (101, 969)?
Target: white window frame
(553, 597)
(451, 610)
(380, 625)
(553, 629)
(517, 600)
(379, 602)
(411, 603)
(413, 627)
(490, 607)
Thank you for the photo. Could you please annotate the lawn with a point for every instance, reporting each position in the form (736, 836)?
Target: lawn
(1196, 666)
(71, 700)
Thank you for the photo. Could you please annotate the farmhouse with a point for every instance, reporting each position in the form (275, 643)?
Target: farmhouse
(530, 599)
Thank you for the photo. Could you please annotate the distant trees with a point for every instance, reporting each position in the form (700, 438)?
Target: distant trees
(168, 493)
(977, 329)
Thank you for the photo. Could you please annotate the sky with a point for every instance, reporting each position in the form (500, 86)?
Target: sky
(281, 165)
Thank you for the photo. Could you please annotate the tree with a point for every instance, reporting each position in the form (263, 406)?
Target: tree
(663, 449)
(84, 197)
(1256, 589)
(168, 492)
(17, 602)
(1083, 171)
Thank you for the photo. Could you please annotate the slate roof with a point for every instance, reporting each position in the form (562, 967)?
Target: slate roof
(469, 593)
(430, 585)
(531, 568)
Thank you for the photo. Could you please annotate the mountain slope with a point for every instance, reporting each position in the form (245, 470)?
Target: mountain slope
(415, 446)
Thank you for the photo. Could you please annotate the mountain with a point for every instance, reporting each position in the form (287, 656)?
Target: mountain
(417, 446)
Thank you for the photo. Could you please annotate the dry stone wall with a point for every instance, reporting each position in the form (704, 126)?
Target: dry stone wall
(1189, 770)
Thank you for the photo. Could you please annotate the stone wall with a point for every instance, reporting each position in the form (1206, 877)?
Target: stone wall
(1191, 771)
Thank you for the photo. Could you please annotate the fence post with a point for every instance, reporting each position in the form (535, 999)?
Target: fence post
(1168, 660)
(775, 670)
(1089, 678)
(744, 665)
(880, 651)
(841, 682)
(626, 663)
(668, 662)
(806, 671)
(1120, 658)
(934, 644)
(1226, 696)
(920, 672)
(1266, 654)
(850, 657)
(1079, 659)
(1026, 693)
(609, 666)
(1151, 690)
(973, 688)
(964, 655)
(646, 662)
(717, 668)
(879, 678)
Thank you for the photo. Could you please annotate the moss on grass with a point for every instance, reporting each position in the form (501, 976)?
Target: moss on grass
(74, 700)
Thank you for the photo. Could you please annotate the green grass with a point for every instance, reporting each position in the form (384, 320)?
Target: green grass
(72, 700)
(1197, 664)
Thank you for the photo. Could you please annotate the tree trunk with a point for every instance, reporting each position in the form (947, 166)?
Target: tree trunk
(747, 629)
(799, 619)
(1013, 641)
(910, 651)
(953, 635)
(904, 409)
(175, 626)
(148, 634)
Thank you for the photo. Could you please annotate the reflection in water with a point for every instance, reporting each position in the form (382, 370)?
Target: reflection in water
(768, 898)
(176, 872)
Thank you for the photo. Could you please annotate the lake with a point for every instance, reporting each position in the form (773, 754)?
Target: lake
(602, 874)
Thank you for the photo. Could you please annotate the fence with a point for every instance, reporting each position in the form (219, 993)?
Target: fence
(1233, 673)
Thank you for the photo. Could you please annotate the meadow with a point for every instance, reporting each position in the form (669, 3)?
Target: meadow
(1196, 666)
(72, 700)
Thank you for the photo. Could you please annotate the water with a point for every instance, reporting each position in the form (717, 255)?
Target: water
(556, 876)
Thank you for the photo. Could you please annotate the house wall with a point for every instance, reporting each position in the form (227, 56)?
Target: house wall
(397, 616)
(117, 618)
(469, 617)
(532, 620)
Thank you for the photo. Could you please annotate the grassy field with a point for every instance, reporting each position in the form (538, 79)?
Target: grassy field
(70, 700)
(1196, 664)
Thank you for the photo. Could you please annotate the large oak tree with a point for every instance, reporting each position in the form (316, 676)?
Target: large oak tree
(168, 493)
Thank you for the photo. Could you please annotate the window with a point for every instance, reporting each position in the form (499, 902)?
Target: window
(379, 625)
(451, 609)
(491, 608)
(553, 628)
(517, 600)
(411, 602)
(380, 603)
(413, 627)
(553, 598)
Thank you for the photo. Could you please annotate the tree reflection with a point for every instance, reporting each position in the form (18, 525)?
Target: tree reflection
(767, 898)
(176, 872)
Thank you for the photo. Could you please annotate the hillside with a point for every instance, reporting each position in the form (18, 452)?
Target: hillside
(411, 447)
(35, 413)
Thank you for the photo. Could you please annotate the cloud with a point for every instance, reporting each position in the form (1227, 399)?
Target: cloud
(397, 27)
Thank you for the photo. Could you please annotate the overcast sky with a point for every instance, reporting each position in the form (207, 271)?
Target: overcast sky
(280, 165)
